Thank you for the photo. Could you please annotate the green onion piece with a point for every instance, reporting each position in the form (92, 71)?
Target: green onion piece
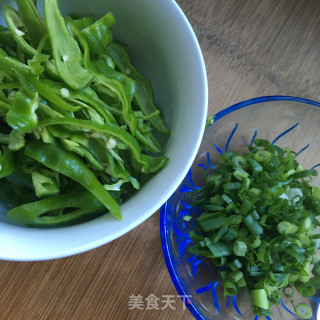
(235, 275)
(240, 162)
(262, 155)
(305, 289)
(240, 174)
(235, 265)
(264, 251)
(303, 311)
(229, 288)
(219, 234)
(316, 270)
(219, 262)
(211, 207)
(306, 224)
(259, 298)
(306, 268)
(226, 198)
(253, 225)
(231, 186)
(216, 223)
(288, 292)
(255, 215)
(256, 166)
(285, 227)
(219, 249)
(240, 248)
(254, 192)
(255, 243)
(230, 235)
(246, 205)
(241, 283)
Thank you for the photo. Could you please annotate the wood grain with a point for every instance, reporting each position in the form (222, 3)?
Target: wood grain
(251, 48)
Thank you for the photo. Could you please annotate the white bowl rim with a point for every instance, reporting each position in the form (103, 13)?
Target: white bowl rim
(64, 252)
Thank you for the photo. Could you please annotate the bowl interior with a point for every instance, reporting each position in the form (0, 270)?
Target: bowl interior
(285, 121)
(163, 47)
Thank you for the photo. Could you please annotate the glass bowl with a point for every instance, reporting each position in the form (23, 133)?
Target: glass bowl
(287, 122)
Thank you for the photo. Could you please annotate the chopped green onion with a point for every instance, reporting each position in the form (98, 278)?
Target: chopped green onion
(220, 261)
(240, 248)
(259, 216)
(259, 298)
(285, 227)
(235, 265)
(303, 311)
(235, 275)
(229, 288)
(216, 223)
(219, 249)
(262, 155)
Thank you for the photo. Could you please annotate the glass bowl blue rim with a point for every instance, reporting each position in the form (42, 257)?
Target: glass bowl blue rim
(163, 227)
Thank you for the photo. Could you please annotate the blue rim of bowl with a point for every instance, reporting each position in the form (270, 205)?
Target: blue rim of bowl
(163, 225)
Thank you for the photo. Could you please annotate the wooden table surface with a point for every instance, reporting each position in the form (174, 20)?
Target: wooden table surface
(251, 48)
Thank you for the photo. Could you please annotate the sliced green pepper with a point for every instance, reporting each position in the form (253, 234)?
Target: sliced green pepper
(117, 82)
(14, 22)
(6, 162)
(82, 152)
(33, 213)
(66, 52)
(98, 34)
(70, 165)
(32, 19)
(16, 140)
(83, 22)
(31, 84)
(6, 38)
(22, 113)
(44, 185)
(35, 63)
(86, 97)
(8, 64)
(146, 163)
(143, 95)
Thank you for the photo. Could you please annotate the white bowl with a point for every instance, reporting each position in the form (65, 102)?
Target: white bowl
(164, 47)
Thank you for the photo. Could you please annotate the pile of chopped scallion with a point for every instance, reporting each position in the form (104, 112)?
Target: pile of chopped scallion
(258, 220)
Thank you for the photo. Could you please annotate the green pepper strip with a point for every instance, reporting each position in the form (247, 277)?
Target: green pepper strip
(33, 213)
(149, 163)
(31, 83)
(14, 21)
(86, 95)
(83, 22)
(143, 96)
(10, 85)
(6, 38)
(117, 82)
(21, 115)
(65, 49)
(70, 165)
(32, 19)
(6, 163)
(98, 34)
(4, 107)
(8, 64)
(101, 154)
